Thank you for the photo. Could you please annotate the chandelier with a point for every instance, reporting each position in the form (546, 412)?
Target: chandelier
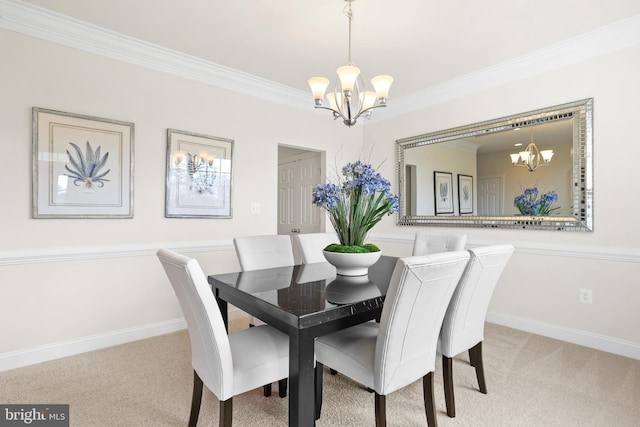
(349, 99)
(531, 158)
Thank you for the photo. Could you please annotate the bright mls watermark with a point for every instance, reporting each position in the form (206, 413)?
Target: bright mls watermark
(34, 415)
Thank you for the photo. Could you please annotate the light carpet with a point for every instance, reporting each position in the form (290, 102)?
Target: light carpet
(532, 381)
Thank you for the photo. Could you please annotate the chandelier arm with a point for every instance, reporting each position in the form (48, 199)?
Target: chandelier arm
(368, 109)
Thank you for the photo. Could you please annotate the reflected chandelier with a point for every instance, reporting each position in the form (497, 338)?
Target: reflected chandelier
(531, 158)
(349, 99)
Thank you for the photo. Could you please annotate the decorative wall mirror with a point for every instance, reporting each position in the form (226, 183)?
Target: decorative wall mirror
(476, 172)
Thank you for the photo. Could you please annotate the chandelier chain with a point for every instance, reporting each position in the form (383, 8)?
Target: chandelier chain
(348, 11)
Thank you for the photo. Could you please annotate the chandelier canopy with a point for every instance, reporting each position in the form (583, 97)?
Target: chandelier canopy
(531, 158)
(349, 99)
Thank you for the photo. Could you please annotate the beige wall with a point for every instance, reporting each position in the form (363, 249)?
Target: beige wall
(540, 287)
(63, 280)
(65, 283)
(439, 158)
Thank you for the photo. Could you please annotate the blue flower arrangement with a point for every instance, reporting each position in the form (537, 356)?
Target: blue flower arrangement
(528, 203)
(356, 204)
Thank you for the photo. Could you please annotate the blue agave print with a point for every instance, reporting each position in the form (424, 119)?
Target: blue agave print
(85, 167)
(444, 191)
(465, 193)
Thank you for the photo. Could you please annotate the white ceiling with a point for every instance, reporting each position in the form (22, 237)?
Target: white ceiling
(421, 43)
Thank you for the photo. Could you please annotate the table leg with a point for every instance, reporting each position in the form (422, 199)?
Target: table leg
(222, 304)
(301, 379)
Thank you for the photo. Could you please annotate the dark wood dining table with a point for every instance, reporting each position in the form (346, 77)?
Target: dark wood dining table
(305, 301)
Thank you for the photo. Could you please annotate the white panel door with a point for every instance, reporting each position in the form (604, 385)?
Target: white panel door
(490, 196)
(296, 180)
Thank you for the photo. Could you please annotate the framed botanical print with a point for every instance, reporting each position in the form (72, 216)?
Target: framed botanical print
(443, 192)
(198, 181)
(465, 194)
(82, 166)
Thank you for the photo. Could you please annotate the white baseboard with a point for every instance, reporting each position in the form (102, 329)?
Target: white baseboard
(58, 350)
(45, 353)
(575, 336)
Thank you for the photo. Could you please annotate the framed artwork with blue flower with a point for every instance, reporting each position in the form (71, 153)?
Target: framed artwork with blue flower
(82, 166)
(465, 194)
(198, 175)
(443, 192)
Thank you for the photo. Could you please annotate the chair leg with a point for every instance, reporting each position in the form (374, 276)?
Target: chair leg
(282, 387)
(196, 400)
(266, 390)
(381, 410)
(318, 384)
(475, 357)
(226, 412)
(429, 402)
(447, 375)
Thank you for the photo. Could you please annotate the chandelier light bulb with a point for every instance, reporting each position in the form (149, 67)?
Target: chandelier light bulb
(318, 87)
(348, 74)
(382, 84)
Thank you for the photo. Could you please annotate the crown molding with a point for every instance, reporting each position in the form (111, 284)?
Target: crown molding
(617, 36)
(38, 22)
(44, 24)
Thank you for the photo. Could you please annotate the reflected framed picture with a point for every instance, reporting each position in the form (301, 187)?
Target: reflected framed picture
(198, 175)
(443, 192)
(82, 166)
(465, 194)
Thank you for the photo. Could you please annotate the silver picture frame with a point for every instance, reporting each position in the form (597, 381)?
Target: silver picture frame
(443, 192)
(198, 178)
(82, 166)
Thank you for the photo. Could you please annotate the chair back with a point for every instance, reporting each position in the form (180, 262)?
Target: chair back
(431, 243)
(258, 252)
(312, 244)
(463, 325)
(210, 350)
(419, 293)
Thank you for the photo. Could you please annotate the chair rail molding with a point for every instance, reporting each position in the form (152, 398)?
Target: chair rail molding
(80, 253)
(536, 248)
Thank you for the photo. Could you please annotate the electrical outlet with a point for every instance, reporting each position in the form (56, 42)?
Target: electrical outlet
(255, 208)
(586, 296)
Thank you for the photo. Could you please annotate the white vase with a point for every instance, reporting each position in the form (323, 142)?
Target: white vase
(352, 264)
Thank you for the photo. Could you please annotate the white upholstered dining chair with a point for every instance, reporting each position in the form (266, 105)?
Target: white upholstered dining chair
(268, 251)
(430, 243)
(260, 252)
(401, 349)
(227, 364)
(312, 244)
(463, 325)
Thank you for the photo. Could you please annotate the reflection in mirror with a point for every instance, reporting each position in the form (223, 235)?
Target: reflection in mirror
(491, 164)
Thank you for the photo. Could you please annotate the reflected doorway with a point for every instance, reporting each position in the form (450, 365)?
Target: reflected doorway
(490, 196)
(299, 171)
